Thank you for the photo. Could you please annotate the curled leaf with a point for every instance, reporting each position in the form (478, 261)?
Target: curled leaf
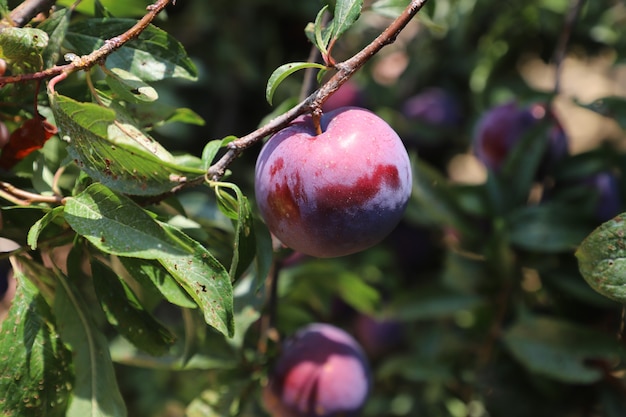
(284, 71)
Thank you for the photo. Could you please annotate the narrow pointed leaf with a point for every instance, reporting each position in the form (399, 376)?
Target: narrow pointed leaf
(346, 13)
(126, 313)
(241, 213)
(284, 71)
(96, 393)
(612, 106)
(35, 231)
(154, 278)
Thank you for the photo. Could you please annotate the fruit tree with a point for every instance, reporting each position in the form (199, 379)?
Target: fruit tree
(312, 208)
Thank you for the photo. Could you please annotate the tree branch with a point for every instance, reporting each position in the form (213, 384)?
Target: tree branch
(88, 61)
(25, 12)
(314, 101)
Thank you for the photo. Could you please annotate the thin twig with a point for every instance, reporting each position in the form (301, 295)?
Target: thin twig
(25, 198)
(88, 61)
(344, 71)
(563, 41)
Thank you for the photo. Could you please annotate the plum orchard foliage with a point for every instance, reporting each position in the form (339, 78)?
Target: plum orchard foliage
(129, 296)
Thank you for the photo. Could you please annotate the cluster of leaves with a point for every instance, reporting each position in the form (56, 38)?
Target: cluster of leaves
(129, 246)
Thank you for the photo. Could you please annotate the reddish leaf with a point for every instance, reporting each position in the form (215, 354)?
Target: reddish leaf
(26, 139)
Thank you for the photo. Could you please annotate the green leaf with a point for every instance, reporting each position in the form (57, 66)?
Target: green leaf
(96, 393)
(56, 26)
(559, 349)
(520, 168)
(114, 152)
(220, 401)
(432, 303)
(35, 231)
(127, 315)
(433, 200)
(284, 71)
(244, 247)
(23, 47)
(346, 13)
(116, 225)
(602, 260)
(611, 106)
(154, 55)
(154, 278)
(546, 228)
(317, 33)
(212, 148)
(35, 367)
(115, 7)
(389, 8)
(129, 87)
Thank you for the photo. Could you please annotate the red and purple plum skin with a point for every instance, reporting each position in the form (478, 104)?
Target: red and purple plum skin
(336, 193)
(321, 372)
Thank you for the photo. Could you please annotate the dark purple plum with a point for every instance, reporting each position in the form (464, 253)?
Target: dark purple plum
(378, 336)
(433, 106)
(335, 193)
(502, 127)
(609, 203)
(321, 372)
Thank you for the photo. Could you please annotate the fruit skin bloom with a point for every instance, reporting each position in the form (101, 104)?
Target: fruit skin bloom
(335, 193)
(322, 372)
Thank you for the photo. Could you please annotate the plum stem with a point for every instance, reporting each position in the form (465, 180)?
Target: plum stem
(316, 115)
(314, 101)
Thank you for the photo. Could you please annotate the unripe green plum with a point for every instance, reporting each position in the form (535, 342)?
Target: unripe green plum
(335, 193)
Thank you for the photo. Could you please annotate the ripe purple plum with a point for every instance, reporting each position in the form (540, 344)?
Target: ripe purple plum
(609, 203)
(335, 193)
(433, 106)
(503, 126)
(378, 336)
(321, 372)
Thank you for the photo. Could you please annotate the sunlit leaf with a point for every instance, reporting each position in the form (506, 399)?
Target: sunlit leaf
(35, 231)
(346, 13)
(23, 47)
(128, 87)
(153, 55)
(115, 153)
(284, 71)
(116, 225)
